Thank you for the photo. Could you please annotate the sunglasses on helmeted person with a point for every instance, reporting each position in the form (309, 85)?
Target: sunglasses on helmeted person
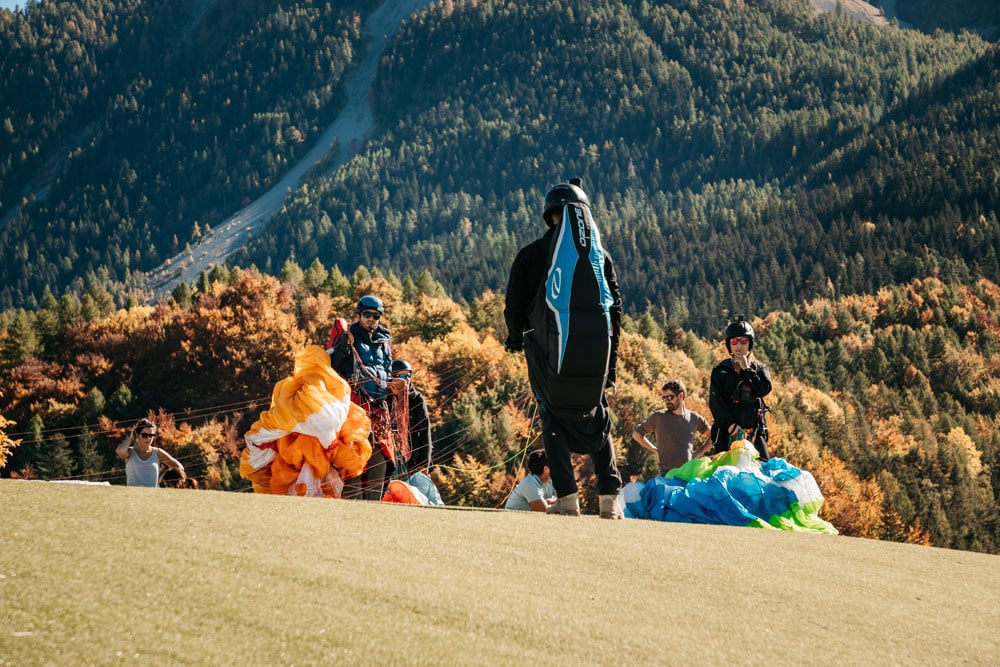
(740, 340)
(374, 314)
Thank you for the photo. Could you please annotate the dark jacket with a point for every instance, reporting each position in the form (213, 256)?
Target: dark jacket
(528, 273)
(737, 397)
(421, 442)
(367, 379)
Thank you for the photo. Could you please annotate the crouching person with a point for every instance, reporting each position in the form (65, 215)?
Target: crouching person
(534, 493)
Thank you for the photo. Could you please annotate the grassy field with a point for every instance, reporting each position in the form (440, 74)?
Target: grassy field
(105, 575)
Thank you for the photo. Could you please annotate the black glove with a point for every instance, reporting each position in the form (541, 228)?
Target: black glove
(512, 345)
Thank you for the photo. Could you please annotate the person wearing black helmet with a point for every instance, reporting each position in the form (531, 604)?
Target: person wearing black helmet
(362, 355)
(736, 392)
(563, 308)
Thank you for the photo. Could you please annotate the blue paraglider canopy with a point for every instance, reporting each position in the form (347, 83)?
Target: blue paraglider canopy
(732, 489)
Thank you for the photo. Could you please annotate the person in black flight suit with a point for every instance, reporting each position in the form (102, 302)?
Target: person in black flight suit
(418, 418)
(736, 392)
(563, 308)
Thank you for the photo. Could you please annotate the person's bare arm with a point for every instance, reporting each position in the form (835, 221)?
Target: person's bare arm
(172, 462)
(643, 441)
(539, 505)
(122, 449)
(706, 446)
(705, 430)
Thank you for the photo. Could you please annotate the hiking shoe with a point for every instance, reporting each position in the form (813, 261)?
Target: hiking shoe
(609, 507)
(568, 505)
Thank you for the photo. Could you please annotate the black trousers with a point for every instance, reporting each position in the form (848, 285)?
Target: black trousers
(559, 441)
(371, 485)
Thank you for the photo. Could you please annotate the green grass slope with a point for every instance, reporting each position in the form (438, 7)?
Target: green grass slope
(98, 575)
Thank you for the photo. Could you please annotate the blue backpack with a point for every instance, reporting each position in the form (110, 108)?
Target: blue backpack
(570, 344)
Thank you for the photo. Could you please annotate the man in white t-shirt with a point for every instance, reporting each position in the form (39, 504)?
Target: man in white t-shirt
(534, 493)
(675, 428)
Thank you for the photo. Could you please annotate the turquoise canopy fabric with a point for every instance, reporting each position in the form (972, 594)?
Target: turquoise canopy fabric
(732, 489)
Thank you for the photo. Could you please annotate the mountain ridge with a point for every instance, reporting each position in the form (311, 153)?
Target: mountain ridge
(236, 231)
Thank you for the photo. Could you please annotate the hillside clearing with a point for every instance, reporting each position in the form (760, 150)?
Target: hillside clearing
(337, 144)
(857, 10)
(101, 574)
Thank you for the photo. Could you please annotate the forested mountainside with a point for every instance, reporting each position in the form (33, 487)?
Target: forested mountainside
(741, 156)
(698, 126)
(930, 15)
(890, 399)
(128, 127)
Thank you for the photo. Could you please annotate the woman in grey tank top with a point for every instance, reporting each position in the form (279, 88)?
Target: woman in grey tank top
(142, 459)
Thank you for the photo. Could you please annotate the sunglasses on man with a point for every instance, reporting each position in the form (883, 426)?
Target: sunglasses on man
(742, 340)
(373, 314)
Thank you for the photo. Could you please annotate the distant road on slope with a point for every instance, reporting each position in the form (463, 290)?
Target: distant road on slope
(880, 13)
(341, 141)
(855, 9)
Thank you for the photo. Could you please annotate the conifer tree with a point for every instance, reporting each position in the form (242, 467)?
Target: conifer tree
(89, 459)
(21, 341)
(56, 459)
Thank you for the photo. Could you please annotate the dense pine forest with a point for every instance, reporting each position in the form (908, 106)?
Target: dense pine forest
(720, 169)
(129, 127)
(931, 15)
(834, 180)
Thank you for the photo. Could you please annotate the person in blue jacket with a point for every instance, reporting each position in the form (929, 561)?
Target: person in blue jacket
(363, 356)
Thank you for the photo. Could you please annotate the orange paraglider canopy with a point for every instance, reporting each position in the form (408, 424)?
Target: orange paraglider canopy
(312, 437)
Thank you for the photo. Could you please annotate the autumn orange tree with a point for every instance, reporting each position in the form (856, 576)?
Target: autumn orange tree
(7, 444)
(912, 380)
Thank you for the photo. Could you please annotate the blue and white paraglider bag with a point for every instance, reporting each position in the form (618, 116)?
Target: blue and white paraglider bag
(572, 323)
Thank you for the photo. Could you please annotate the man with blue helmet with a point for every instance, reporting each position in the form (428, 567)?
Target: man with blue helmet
(362, 355)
